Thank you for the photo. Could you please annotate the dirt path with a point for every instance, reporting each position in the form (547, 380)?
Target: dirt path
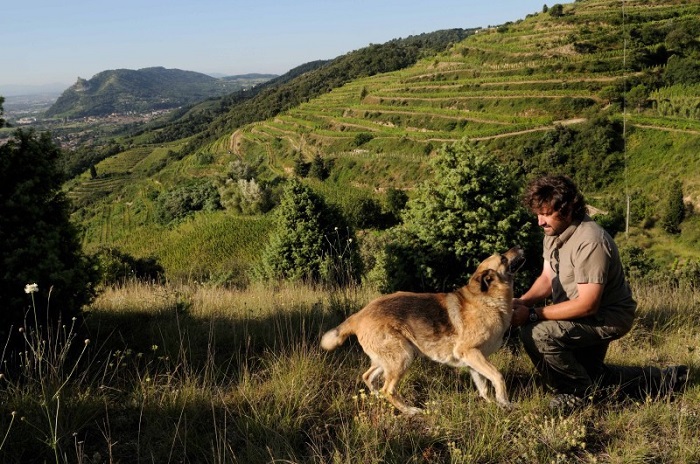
(667, 129)
(566, 122)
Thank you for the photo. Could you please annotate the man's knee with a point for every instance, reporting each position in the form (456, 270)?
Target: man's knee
(540, 336)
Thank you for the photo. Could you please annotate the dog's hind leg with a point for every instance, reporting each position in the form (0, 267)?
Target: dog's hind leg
(370, 376)
(399, 357)
(481, 384)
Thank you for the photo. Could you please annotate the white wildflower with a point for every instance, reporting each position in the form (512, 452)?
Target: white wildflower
(31, 288)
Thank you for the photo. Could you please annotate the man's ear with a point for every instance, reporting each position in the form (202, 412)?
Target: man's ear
(485, 279)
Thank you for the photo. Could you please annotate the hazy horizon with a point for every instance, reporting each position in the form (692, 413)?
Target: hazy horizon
(48, 43)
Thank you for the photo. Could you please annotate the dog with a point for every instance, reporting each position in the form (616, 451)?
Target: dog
(460, 329)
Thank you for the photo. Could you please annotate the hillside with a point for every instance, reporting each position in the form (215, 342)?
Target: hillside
(605, 95)
(125, 90)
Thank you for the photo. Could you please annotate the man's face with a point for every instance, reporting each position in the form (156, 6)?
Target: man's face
(552, 222)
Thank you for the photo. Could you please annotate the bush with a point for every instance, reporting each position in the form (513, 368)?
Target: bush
(181, 202)
(675, 209)
(311, 242)
(470, 210)
(38, 243)
(116, 267)
(366, 213)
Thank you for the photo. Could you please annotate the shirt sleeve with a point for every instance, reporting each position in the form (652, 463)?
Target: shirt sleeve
(591, 263)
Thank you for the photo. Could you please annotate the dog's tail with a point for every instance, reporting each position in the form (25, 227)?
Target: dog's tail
(336, 337)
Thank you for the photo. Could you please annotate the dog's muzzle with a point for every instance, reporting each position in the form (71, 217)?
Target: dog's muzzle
(517, 261)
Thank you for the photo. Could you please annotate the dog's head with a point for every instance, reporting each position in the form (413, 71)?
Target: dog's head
(495, 273)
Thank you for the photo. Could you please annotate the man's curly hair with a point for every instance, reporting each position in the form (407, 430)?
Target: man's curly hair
(557, 192)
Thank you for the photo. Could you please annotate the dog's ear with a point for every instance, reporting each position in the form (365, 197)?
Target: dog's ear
(485, 279)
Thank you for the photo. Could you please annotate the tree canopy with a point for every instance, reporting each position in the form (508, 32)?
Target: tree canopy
(469, 210)
(312, 241)
(38, 243)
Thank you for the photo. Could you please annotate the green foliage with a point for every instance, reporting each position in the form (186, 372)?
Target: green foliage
(241, 192)
(117, 267)
(301, 167)
(320, 168)
(469, 210)
(2, 121)
(682, 71)
(311, 241)
(557, 10)
(362, 138)
(682, 101)
(396, 200)
(366, 213)
(38, 244)
(582, 153)
(675, 209)
(181, 202)
(636, 262)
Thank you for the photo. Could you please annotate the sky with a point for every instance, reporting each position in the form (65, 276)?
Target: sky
(55, 42)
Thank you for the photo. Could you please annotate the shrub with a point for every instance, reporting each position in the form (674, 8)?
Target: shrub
(181, 202)
(362, 138)
(366, 213)
(38, 243)
(470, 210)
(675, 209)
(311, 242)
(116, 267)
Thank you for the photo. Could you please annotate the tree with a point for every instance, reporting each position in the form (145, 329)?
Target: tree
(637, 97)
(556, 10)
(2, 121)
(311, 241)
(675, 209)
(319, 168)
(181, 202)
(469, 210)
(38, 243)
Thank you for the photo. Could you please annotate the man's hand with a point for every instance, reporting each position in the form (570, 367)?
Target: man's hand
(521, 313)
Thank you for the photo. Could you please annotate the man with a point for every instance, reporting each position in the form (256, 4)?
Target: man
(592, 304)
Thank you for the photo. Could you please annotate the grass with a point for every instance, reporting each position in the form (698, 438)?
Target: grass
(200, 374)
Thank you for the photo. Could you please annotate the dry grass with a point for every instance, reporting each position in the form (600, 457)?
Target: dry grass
(208, 375)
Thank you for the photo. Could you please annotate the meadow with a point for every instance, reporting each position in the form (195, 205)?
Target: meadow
(203, 374)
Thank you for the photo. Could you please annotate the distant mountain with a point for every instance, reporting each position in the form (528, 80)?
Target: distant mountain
(143, 90)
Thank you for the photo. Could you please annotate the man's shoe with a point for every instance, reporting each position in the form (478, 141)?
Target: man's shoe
(674, 379)
(566, 403)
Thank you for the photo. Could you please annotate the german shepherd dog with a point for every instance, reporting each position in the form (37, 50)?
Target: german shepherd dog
(461, 329)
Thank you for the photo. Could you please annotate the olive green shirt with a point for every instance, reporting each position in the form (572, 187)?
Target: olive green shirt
(586, 253)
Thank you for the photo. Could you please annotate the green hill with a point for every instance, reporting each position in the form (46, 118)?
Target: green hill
(605, 94)
(125, 90)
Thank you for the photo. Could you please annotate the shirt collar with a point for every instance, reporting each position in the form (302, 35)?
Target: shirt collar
(566, 235)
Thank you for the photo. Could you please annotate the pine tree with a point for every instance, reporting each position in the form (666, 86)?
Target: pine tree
(311, 242)
(469, 210)
(675, 209)
(38, 243)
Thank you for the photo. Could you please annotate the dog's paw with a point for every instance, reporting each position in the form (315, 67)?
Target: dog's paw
(508, 406)
(412, 411)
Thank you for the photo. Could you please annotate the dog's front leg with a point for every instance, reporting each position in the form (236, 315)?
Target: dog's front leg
(475, 360)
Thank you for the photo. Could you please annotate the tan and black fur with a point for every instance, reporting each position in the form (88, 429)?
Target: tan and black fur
(461, 329)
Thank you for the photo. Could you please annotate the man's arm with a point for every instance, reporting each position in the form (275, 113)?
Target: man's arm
(540, 289)
(586, 304)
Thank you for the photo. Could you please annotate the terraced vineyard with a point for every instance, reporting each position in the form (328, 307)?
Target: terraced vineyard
(502, 82)
(513, 88)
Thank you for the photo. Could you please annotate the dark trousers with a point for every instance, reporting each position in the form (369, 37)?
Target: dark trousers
(570, 357)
